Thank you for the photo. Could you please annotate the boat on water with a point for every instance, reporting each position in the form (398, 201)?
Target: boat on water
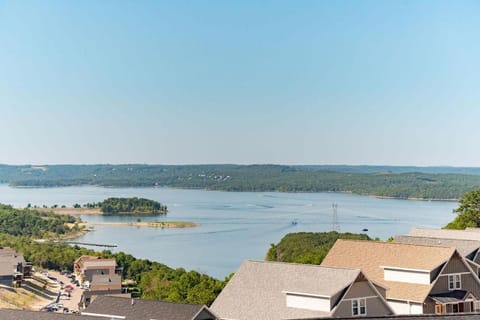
(364, 229)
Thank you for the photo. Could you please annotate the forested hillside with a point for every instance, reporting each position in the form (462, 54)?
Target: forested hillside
(396, 182)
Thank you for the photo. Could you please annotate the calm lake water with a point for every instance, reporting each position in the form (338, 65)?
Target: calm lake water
(234, 226)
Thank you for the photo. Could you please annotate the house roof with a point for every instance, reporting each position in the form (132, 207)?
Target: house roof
(99, 263)
(371, 256)
(445, 233)
(257, 290)
(142, 309)
(104, 279)
(6, 268)
(8, 314)
(451, 316)
(464, 247)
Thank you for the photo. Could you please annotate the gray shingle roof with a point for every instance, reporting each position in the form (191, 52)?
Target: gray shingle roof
(142, 309)
(445, 233)
(7, 314)
(257, 290)
(106, 279)
(464, 247)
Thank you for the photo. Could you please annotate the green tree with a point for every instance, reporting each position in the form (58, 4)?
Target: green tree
(468, 211)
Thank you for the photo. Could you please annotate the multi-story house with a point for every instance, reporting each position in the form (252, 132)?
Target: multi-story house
(275, 290)
(419, 279)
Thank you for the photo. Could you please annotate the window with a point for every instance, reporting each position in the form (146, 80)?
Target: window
(454, 281)
(359, 307)
(476, 306)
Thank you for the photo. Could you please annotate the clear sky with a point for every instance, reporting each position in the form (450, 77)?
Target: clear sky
(291, 82)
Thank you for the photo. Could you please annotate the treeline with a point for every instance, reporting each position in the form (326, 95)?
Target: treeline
(307, 247)
(133, 205)
(378, 181)
(32, 223)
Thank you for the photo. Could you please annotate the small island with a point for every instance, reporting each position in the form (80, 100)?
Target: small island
(131, 206)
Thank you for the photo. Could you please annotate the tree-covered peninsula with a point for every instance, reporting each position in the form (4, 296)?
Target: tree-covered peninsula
(307, 247)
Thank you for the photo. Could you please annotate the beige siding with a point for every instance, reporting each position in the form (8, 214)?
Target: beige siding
(381, 290)
(360, 289)
(375, 307)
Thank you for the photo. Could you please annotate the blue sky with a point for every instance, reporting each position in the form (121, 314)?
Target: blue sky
(293, 82)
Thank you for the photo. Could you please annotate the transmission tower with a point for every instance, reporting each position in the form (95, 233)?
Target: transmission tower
(335, 225)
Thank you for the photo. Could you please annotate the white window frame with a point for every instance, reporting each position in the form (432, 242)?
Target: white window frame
(359, 307)
(454, 281)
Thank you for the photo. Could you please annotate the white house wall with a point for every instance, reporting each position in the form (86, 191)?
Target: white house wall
(405, 307)
(308, 302)
(407, 276)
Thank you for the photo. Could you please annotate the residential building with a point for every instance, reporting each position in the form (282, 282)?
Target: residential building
(275, 290)
(419, 279)
(137, 309)
(87, 266)
(13, 267)
(469, 249)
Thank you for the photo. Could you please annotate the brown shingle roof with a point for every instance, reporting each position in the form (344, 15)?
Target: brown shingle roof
(370, 256)
(257, 290)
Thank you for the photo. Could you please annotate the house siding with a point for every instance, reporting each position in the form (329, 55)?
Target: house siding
(469, 280)
(375, 307)
(362, 289)
(455, 265)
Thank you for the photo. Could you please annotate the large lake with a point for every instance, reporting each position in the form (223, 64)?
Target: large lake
(234, 226)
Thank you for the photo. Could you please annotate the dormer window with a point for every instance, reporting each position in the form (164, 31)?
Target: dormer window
(359, 307)
(454, 281)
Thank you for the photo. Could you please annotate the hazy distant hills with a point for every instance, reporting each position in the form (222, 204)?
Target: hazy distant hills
(404, 182)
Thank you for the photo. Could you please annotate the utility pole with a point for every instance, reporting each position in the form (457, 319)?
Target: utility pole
(335, 225)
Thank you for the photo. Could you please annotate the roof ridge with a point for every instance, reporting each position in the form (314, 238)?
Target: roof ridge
(301, 264)
(397, 244)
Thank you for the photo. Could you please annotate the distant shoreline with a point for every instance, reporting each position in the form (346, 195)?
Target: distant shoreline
(72, 211)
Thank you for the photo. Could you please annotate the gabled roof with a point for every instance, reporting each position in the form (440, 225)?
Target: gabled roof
(371, 256)
(464, 247)
(445, 233)
(258, 289)
(142, 309)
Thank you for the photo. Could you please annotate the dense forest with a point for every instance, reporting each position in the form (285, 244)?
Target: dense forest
(18, 228)
(136, 206)
(307, 247)
(383, 181)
